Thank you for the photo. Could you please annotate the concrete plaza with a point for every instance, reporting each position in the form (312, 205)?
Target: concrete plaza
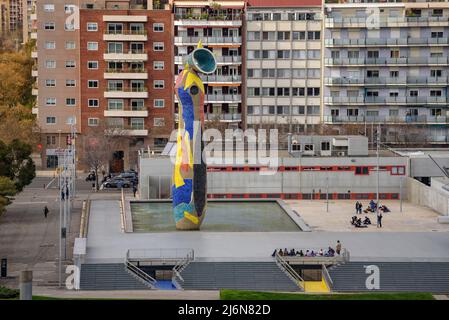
(106, 242)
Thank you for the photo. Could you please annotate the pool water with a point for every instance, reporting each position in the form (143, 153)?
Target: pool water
(225, 216)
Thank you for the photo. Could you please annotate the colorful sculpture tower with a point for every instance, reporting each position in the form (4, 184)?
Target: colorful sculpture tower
(189, 176)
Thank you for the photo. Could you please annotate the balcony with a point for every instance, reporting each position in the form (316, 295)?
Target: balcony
(132, 74)
(377, 42)
(34, 73)
(34, 54)
(220, 98)
(208, 40)
(34, 91)
(126, 113)
(33, 16)
(363, 62)
(423, 119)
(140, 55)
(141, 93)
(221, 60)
(225, 117)
(221, 79)
(210, 20)
(33, 35)
(392, 81)
(126, 35)
(364, 22)
(361, 100)
(122, 18)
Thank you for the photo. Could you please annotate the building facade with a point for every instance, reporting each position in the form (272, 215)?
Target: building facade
(104, 65)
(283, 64)
(11, 15)
(387, 63)
(219, 27)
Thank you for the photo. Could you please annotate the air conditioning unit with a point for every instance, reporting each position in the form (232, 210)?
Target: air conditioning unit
(341, 153)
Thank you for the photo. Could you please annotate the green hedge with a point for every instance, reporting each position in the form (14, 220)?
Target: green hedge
(6, 293)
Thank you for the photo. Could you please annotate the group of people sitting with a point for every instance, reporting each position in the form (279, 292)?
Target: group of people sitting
(358, 223)
(308, 253)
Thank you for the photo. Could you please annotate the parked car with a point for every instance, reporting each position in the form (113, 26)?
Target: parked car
(117, 182)
(130, 176)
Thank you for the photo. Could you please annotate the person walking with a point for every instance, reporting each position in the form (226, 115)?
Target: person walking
(338, 247)
(46, 211)
(379, 220)
(134, 189)
(357, 207)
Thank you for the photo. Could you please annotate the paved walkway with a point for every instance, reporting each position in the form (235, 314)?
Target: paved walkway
(107, 243)
(129, 294)
(413, 218)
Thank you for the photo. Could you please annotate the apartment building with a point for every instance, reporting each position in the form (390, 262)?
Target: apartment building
(387, 63)
(104, 64)
(283, 64)
(29, 19)
(11, 15)
(219, 26)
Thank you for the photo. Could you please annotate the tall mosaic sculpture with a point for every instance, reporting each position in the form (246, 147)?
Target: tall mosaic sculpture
(189, 176)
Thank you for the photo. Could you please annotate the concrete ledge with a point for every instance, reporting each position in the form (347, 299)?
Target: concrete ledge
(443, 219)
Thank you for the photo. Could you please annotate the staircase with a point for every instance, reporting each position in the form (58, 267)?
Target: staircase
(262, 276)
(111, 276)
(394, 276)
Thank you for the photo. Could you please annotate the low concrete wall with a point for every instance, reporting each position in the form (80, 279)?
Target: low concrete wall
(420, 194)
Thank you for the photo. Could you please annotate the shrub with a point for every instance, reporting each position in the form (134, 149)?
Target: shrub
(7, 293)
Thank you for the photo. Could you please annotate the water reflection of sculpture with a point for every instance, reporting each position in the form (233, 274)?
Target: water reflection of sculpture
(189, 176)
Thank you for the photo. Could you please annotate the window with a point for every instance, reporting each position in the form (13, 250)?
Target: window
(283, 54)
(159, 103)
(413, 93)
(115, 28)
(308, 147)
(50, 45)
(158, 65)
(268, 35)
(436, 112)
(69, 8)
(283, 35)
(92, 84)
(394, 74)
(92, 65)
(70, 45)
(51, 120)
(49, 26)
(92, 122)
(50, 101)
(436, 73)
(70, 102)
(438, 34)
(373, 54)
(313, 35)
(138, 123)
(70, 64)
(137, 105)
(51, 140)
(372, 73)
(158, 46)
(398, 170)
(361, 170)
(325, 146)
(115, 104)
(158, 27)
(435, 93)
(70, 83)
(92, 46)
(393, 112)
(93, 103)
(50, 83)
(49, 7)
(159, 122)
(299, 35)
(158, 84)
(115, 47)
(92, 26)
(50, 64)
(313, 92)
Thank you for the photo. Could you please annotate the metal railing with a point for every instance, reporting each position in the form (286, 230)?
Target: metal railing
(291, 273)
(208, 40)
(327, 278)
(387, 61)
(386, 42)
(139, 274)
(126, 32)
(179, 267)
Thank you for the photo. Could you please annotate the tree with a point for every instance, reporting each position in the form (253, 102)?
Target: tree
(18, 122)
(16, 163)
(7, 189)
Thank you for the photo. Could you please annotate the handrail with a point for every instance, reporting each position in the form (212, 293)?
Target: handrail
(122, 211)
(327, 278)
(139, 273)
(290, 271)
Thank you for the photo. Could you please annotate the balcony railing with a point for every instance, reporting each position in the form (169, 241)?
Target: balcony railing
(361, 62)
(221, 78)
(125, 70)
(224, 116)
(209, 17)
(386, 42)
(384, 21)
(389, 119)
(385, 100)
(220, 59)
(127, 32)
(132, 51)
(217, 98)
(410, 80)
(127, 90)
(208, 40)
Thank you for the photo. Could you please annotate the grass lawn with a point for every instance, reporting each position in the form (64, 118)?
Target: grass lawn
(254, 295)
